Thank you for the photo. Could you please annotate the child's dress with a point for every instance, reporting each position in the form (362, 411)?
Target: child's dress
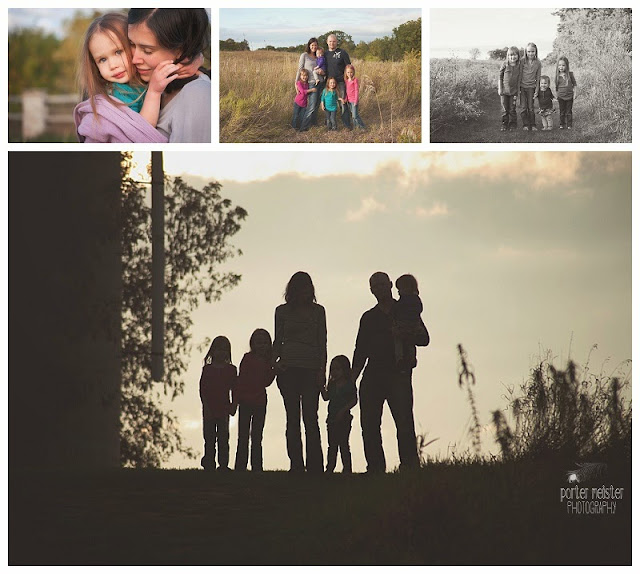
(256, 374)
(545, 103)
(216, 384)
(339, 429)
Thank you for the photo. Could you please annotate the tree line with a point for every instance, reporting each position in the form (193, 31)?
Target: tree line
(405, 39)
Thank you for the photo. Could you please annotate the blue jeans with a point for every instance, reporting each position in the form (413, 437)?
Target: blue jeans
(526, 100)
(298, 115)
(509, 115)
(313, 100)
(355, 116)
(331, 119)
(566, 112)
(344, 112)
(299, 389)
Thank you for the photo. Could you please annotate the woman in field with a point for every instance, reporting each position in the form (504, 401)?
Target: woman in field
(181, 35)
(308, 61)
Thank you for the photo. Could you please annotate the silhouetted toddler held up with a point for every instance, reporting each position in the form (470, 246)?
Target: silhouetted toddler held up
(216, 383)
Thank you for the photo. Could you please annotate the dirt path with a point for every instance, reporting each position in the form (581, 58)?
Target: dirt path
(486, 129)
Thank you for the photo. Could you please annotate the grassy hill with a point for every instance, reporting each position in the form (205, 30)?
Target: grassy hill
(481, 513)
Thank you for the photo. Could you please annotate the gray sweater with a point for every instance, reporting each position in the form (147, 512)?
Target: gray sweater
(301, 336)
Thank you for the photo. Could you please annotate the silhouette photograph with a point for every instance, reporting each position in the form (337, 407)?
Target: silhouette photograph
(531, 75)
(279, 365)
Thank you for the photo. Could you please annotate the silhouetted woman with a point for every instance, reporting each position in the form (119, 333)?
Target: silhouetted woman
(300, 354)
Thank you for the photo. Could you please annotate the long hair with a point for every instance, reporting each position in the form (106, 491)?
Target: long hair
(566, 70)
(185, 31)
(531, 44)
(513, 50)
(219, 341)
(294, 291)
(347, 67)
(311, 41)
(90, 82)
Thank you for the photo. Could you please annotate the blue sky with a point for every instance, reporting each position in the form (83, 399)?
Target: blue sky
(291, 27)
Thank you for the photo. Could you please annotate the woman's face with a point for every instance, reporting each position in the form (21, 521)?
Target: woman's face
(146, 52)
(313, 47)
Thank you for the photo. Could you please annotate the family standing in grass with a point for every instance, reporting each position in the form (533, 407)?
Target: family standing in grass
(326, 80)
(523, 77)
(141, 79)
(384, 350)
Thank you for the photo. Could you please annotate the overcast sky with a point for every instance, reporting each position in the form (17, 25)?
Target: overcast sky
(456, 31)
(294, 26)
(515, 253)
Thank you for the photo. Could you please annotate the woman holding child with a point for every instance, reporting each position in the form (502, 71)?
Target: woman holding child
(316, 77)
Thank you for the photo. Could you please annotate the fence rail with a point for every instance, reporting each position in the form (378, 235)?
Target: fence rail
(41, 113)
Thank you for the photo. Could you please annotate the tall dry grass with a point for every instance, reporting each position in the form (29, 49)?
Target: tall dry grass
(257, 91)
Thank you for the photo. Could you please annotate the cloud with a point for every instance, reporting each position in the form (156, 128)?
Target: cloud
(368, 205)
(438, 209)
(510, 253)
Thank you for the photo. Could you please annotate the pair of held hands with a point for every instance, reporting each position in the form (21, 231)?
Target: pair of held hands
(167, 71)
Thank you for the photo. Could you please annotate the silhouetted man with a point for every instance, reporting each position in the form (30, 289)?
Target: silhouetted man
(337, 61)
(383, 380)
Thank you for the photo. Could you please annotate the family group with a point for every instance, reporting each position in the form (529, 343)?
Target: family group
(326, 79)
(141, 78)
(523, 77)
(385, 349)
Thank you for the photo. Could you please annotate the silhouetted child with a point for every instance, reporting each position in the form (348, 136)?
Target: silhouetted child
(341, 394)
(256, 374)
(216, 382)
(406, 319)
(545, 103)
(321, 64)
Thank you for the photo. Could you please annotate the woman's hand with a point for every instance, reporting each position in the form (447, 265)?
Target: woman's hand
(162, 76)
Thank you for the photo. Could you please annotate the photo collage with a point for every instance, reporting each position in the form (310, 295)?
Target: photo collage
(340, 285)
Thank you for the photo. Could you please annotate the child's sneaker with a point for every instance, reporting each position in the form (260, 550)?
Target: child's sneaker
(561, 127)
(569, 127)
(534, 129)
(503, 129)
(524, 128)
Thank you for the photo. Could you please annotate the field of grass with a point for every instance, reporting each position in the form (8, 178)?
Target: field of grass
(465, 107)
(257, 92)
(464, 513)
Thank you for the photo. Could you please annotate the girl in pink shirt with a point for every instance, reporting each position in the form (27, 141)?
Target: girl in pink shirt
(353, 95)
(300, 101)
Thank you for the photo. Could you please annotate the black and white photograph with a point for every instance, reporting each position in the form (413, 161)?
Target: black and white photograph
(506, 75)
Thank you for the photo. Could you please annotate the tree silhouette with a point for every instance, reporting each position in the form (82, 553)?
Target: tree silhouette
(198, 227)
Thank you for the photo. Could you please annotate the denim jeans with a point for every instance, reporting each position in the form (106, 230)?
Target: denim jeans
(566, 112)
(215, 431)
(338, 436)
(299, 389)
(313, 101)
(250, 424)
(344, 112)
(298, 115)
(509, 114)
(396, 389)
(355, 116)
(331, 119)
(526, 100)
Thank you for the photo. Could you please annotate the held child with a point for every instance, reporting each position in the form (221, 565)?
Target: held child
(529, 86)
(545, 103)
(329, 103)
(216, 383)
(256, 374)
(566, 90)
(300, 101)
(406, 319)
(106, 69)
(321, 64)
(341, 394)
(508, 87)
(353, 94)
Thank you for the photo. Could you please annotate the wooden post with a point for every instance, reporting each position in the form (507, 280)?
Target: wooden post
(34, 113)
(157, 266)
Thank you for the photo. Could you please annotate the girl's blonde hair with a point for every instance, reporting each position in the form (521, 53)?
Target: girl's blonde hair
(531, 45)
(90, 81)
(513, 50)
(347, 67)
(328, 80)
